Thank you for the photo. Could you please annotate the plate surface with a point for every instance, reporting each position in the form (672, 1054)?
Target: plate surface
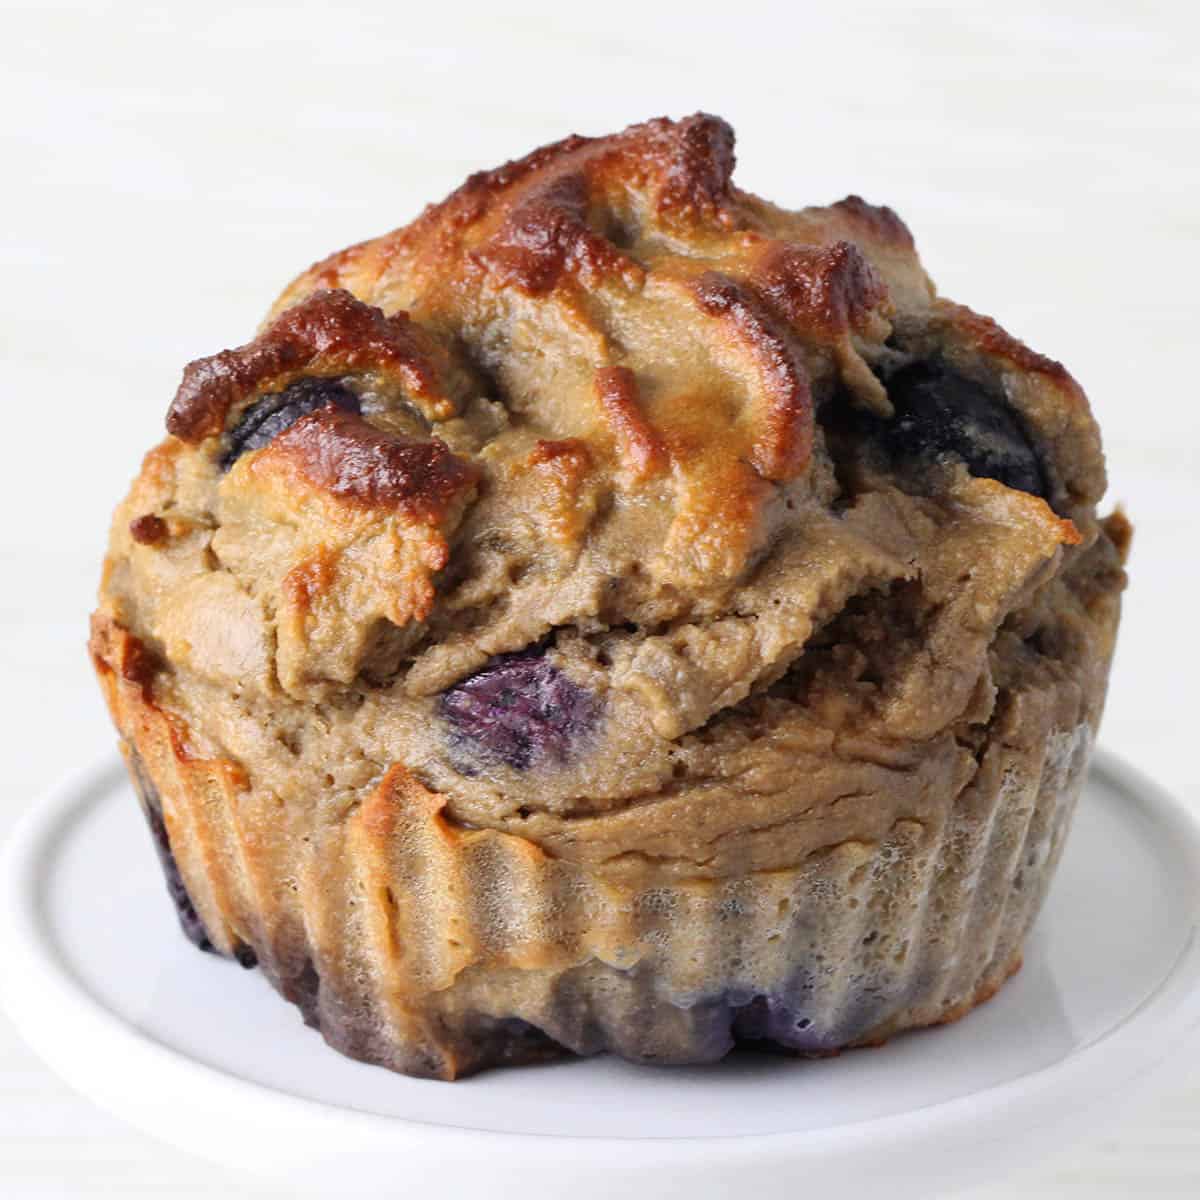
(204, 1055)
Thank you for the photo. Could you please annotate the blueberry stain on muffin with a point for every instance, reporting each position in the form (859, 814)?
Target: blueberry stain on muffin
(520, 710)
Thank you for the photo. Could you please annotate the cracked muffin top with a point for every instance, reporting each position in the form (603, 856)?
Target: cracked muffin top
(604, 484)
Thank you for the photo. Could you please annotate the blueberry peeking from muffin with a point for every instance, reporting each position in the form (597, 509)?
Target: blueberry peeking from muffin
(269, 416)
(520, 709)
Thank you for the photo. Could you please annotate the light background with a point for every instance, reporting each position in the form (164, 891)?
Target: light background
(167, 169)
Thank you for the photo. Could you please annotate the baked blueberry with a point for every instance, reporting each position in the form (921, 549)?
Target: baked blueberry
(519, 709)
(269, 416)
(942, 414)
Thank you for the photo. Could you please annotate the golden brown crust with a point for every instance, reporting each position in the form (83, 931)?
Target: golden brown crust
(347, 458)
(989, 338)
(537, 204)
(546, 236)
(881, 222)
(829, 290)
(639, 446)
(781, 450)
(329, 333)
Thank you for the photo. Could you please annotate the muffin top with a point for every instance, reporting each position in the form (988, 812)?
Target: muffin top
(604, 486)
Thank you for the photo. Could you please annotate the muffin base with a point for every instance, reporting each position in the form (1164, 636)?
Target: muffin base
(438, 950)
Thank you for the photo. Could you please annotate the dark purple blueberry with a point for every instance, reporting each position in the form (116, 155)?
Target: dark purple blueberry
(772, 1019)
(269, 416)
(781, 1020)
(245, 955)
(189, 919)
(520, 710)
(941, 414)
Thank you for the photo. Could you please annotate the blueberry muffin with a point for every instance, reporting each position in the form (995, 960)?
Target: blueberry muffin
(613, 613)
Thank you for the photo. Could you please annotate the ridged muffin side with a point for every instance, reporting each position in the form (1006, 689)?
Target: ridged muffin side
(436, 949)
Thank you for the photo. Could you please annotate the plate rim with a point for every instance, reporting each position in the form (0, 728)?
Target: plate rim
(40, 981)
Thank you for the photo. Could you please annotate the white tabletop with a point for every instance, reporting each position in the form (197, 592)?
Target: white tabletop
(166, 172)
